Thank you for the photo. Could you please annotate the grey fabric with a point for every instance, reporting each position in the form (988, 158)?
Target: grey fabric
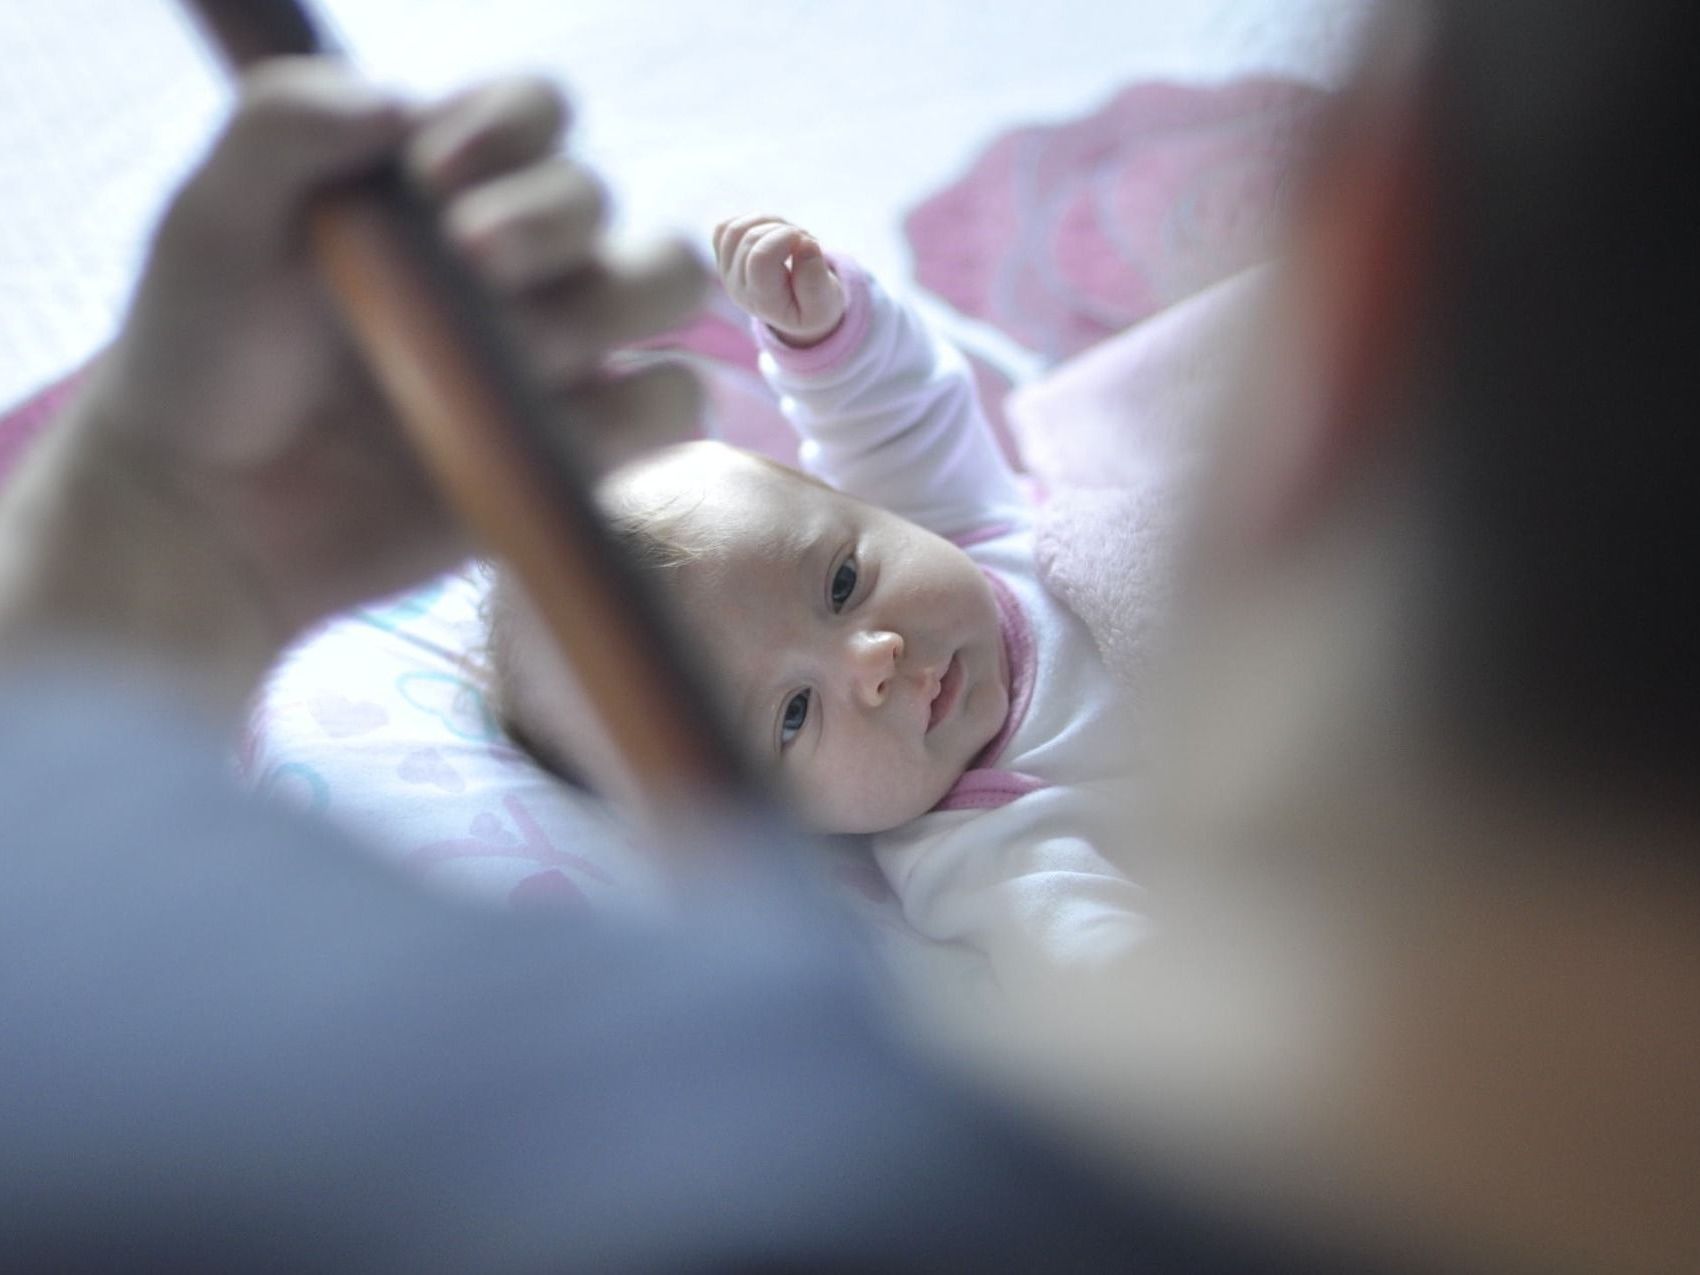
(228, 1040)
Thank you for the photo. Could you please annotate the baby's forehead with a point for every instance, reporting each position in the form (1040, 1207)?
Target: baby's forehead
(739, 532)
(727, 504)
(754, 548)
(701, 467)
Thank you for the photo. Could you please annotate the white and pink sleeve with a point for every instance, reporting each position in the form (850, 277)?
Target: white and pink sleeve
(888, 413)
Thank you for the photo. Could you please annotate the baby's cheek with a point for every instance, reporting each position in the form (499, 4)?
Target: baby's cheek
(876, 794)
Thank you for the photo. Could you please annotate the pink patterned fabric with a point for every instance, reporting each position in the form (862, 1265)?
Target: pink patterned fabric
(379, 722)
(1061, 235)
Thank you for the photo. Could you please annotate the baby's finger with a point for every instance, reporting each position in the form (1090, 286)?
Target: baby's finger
(717, 239)
(485, 131)
(569, 325)
(621, 414)
(764, 263)
(811, 276)
(730, 234)
(727, 235)
(806, 250)
(530, 227)
(740, 275)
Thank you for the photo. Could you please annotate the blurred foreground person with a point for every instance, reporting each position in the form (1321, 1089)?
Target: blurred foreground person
(1427, 990)
(1429, 783)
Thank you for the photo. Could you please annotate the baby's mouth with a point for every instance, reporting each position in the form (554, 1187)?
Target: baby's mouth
(946, 693)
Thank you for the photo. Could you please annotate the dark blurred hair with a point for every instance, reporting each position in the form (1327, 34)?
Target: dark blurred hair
(1560, 374)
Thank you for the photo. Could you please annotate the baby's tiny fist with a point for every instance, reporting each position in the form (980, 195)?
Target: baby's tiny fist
(779, 274)
(818, 293)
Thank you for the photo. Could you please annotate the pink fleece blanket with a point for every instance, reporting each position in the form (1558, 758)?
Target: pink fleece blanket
(1114, 438)
(1125, 242)
(1065, 234)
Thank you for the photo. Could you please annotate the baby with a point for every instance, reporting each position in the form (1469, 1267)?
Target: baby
(887, 650)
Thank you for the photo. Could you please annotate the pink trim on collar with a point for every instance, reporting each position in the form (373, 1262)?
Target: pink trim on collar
(979, 535)
(1018, 647)
(980, 787)
(986, 789)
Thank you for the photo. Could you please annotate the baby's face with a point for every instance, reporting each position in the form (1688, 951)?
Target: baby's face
(862, 653)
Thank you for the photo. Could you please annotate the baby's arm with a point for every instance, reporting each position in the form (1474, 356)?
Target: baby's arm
(888, 412)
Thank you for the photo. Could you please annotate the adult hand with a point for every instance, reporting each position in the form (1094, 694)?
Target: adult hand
(234, 392)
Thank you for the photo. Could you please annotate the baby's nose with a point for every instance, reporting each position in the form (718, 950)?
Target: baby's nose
(873, 663)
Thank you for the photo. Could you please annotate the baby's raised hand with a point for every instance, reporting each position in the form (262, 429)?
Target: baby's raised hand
(777, 272)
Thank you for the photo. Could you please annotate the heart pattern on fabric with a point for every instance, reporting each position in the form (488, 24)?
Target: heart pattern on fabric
(341, 718)
(453, 701)
(490, 833)
(429, 766)
(512, 832)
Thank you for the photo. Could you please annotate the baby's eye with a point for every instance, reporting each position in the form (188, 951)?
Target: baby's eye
(843, 584)
(796, 713)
